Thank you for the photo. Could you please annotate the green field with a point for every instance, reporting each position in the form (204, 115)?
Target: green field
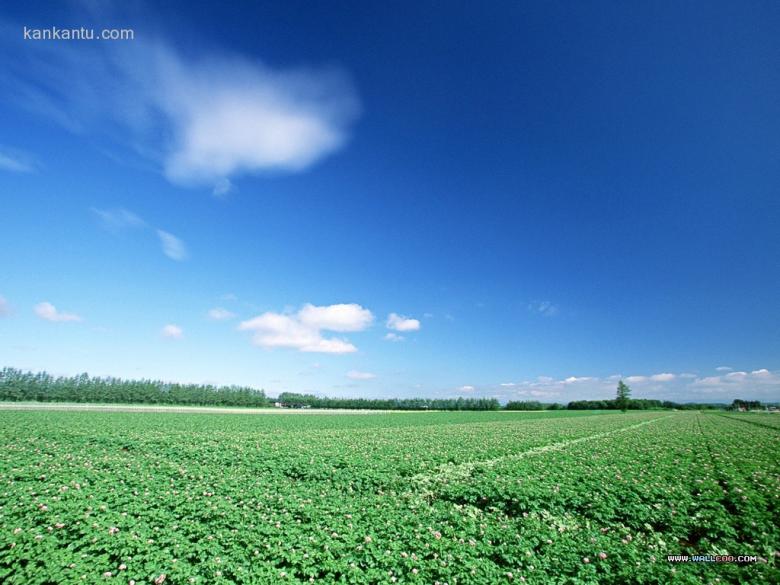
(483, 497)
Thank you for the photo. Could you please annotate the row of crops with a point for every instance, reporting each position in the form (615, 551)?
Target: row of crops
(386, 498)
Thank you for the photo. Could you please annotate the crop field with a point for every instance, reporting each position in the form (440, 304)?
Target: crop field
(483, 497)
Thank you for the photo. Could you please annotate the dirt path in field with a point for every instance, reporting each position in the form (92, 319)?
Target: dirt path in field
(452, 472)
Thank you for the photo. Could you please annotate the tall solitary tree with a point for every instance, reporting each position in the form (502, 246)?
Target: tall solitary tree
(623, 393)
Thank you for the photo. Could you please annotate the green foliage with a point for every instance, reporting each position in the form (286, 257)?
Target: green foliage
(294, 400)
(745, 404)
(456, 497)
(623, 394)
(16, 385)
(531, 405)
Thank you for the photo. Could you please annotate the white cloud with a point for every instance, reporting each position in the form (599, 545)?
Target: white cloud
(355, 375)
(723, 369)
(5, 308)
(665, 377)
(49, 312)
(636, 379)
(341, 317)
(394, 337)
(401, 323)
(466, 389)
(762, 373)
(575, 379)
(172, 331)
(172, 246)
(116, 220)
(220, 314)
(16, 161)
(507, 384)
(203, 119)
(546, 308)
(303, 330)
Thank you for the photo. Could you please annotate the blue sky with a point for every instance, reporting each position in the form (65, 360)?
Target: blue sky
(528, 201)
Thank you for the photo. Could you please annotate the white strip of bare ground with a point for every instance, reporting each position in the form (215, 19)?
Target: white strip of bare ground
(453, 472)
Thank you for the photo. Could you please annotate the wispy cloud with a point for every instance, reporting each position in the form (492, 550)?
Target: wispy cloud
(303, 330)
(221, 115)
(220, 314)
(222, 187)
(120, 219)
(49, 312)
(5, 307)
(116, 220)
(172, 331)
(356, 375)
(723, 369)
(546, 308)
(394, 337)
(16, 161)
(172, 246)
(401, 323)
(467, 388)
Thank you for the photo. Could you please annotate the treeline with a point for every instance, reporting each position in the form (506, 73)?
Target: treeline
(533, 405)
(16, 385)
(746, 404)
(640, 404)
(294, 400)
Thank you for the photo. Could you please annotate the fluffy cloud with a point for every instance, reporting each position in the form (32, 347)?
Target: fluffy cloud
(172, 332)
(202, 119)
(761, 382)
(172, 246)
(355, 375)
(577, 380)
(220, 314)
(303, 330)
(664, 377)
(341, 317)
(401, 323)
(49, 312)
(636, 379)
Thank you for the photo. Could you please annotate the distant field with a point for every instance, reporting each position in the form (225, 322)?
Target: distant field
(447, 497)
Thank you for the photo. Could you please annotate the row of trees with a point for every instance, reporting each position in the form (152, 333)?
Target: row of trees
(639, 404)
(294, 400)
(16, 385)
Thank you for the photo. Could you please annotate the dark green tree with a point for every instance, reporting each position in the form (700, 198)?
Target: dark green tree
(623, 394)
